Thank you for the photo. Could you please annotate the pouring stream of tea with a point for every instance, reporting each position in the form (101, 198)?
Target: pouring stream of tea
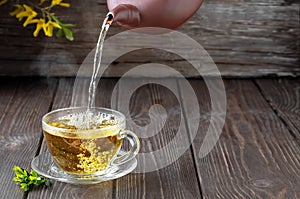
(97, 62)
(97, 59)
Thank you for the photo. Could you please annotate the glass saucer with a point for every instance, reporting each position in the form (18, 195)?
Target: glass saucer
(44, 165)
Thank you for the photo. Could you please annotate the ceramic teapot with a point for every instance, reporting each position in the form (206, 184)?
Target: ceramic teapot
(152, 13)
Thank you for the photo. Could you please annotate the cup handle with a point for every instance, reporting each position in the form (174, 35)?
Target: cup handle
(135, 147)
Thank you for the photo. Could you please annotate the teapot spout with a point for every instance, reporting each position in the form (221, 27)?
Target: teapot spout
(126, 15)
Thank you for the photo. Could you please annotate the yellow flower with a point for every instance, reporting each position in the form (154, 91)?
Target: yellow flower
(2, 2)
(40, 23)
(59, 2)
(49, 28)
(28, 12)
(18, 9)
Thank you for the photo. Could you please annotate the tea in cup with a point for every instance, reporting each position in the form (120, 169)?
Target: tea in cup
(85, 141)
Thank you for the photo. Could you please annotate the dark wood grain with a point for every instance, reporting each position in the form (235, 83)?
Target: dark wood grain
(20, 127)
(284, 97)
(177, 180)
(244, 38)
(63, 99)
(49, 56)
(256, 37)
(7, 91)
(255, 156)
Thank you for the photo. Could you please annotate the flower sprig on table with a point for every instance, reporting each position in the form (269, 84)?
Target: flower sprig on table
(41, 15)
(28, 180)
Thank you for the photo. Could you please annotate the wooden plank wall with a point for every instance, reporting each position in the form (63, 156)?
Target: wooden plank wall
(245, 38)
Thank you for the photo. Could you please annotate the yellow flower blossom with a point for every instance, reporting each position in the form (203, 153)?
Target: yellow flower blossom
(49, 28)
(28, 12)
(59, 2)
(49, 21)
(40, 23)
(2, 2)
(18, 9)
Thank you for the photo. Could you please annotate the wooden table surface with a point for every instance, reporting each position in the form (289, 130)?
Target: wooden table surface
(256, 156)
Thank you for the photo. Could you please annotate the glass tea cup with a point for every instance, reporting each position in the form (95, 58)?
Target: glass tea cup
(86, 142)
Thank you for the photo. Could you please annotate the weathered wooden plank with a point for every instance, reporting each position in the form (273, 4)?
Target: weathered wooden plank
(18, 43)
(21, 128)
(284, 97)
(260, 28)
(255, 156)
(177, 180)
(7, 91)
(62, 99)
(244, 38)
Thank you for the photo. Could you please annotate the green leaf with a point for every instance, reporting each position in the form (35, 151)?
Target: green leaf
(56, 20)
(33, 173)
(19, 171)
(59, 33)
(20, 175)
(68, 25)
(26, 181)
(47, 183)
(25, 186)
(65, 29)
(33, 178)
(68, 33)
(17, 180)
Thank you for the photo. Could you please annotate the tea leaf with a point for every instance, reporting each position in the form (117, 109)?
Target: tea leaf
(26, 181)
